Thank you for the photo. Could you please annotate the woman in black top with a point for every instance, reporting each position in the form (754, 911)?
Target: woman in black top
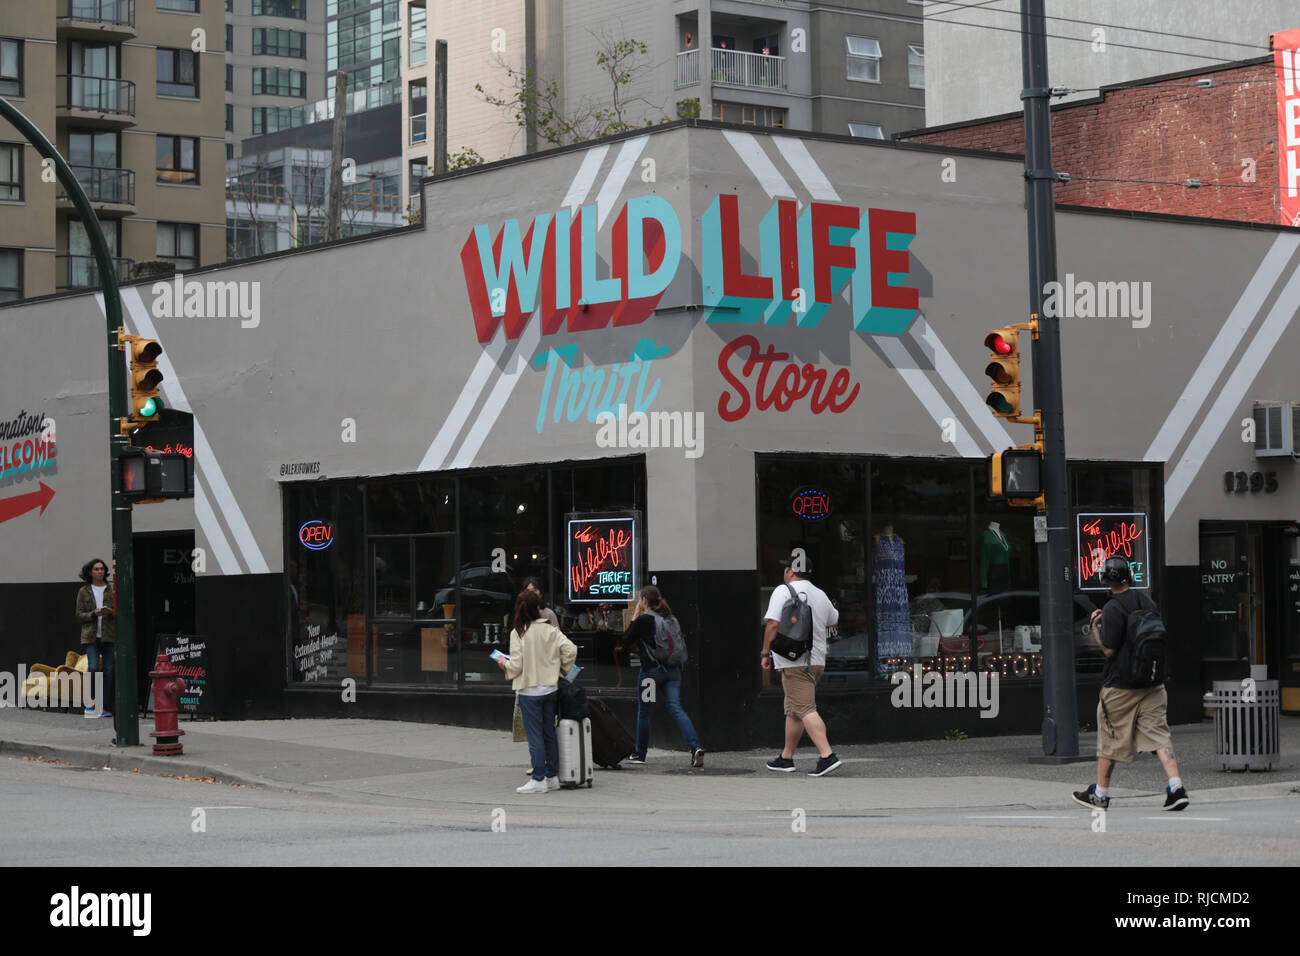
(659, 676)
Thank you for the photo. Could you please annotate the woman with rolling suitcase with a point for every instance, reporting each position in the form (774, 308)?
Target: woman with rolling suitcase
(539, 654)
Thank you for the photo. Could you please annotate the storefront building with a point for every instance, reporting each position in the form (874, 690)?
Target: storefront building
(677, 358)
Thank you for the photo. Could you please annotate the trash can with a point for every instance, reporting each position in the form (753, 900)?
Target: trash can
(1246, 717)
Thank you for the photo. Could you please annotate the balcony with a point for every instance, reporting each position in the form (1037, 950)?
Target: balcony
(111, 20)
(419, 127)
(81, 272)
(110, 191)
(97, 101)
(749, 70)
(688, 69)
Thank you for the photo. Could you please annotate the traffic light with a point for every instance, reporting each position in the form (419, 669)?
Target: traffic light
(1004, 369)
(1016, 473)
(153, 476)
(144, 380)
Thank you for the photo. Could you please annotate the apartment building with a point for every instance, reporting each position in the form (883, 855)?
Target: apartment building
(275, 64)
(853, 68)
(129, 91)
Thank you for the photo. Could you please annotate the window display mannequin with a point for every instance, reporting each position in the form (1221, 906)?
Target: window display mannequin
(995, 559)
(893, 620)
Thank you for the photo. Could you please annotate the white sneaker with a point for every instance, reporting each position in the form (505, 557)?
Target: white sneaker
(552, 783)
(533, 786)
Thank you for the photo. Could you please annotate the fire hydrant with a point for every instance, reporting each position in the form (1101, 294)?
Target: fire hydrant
(167, 688)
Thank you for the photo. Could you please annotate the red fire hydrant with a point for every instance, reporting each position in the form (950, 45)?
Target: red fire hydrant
(167, 688)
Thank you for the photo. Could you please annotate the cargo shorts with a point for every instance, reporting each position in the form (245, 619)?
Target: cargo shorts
(800, 686)
(1132, 721)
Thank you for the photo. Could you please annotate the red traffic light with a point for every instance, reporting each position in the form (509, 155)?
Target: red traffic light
(997, 342)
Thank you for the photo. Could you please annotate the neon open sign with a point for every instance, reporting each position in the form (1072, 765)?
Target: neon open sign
(316, 535)
(811, 504)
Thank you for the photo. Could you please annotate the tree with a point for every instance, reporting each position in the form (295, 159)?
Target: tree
(541, 105)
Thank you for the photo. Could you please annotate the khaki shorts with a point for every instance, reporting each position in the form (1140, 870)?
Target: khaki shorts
(1137, 722)
(800, 685)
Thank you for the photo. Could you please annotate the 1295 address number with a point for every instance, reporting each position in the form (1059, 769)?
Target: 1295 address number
(1239, 482)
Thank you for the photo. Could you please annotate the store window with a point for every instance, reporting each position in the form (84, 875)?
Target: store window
(325, 572)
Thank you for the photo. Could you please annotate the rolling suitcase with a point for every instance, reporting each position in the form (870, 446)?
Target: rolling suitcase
(610, 741)
(574, 739)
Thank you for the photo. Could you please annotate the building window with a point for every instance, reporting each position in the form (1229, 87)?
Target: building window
(230, 38)
(418, 50)
(863, 59)
(269, 119)
(178, 72)
(11, 67)
(230, 118)
(230, 151)
(183, 6)
(748, 115)
(178, 242)
(230, 6)
(272, 81)
(271, 42)
(916, 66)
(230, 78)
(866, 131)
(11, 171)
(177, 160)
(11, 275)
(297, 9)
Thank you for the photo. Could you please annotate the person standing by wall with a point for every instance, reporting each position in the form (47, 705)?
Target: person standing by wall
(96, 615)
(539, 655)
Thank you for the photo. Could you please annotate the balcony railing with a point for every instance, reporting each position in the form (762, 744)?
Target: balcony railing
(755, 70)
(82, 272)
(98, 94)
(103, 184)
(120, 13)
(419, 127)
(688, 68)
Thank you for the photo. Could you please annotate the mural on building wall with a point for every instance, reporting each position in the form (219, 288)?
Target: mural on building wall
(27, 448)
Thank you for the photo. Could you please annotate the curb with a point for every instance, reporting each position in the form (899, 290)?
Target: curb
(145, 763)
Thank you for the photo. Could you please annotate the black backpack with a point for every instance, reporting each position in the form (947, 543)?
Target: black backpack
(794, 632)
(1142, 660)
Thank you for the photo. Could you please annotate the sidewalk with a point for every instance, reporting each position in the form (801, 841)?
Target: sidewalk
(396, 763)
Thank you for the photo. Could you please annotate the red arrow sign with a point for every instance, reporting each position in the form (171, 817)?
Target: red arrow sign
(21, 504)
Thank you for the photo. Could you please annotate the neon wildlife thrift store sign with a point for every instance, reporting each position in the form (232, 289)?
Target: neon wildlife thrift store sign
(805, 261)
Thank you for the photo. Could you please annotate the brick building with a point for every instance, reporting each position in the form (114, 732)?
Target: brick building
(1162, 129)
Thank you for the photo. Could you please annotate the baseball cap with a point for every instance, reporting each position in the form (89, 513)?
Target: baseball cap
(788, 563)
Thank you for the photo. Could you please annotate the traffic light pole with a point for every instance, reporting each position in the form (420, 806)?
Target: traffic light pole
(126, 729)
(1060, 708)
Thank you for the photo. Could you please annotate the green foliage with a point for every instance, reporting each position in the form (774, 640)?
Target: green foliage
(688, 108)
(463, 159)
(955, 735)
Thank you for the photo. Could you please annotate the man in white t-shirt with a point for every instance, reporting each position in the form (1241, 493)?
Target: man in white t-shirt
(799, 677)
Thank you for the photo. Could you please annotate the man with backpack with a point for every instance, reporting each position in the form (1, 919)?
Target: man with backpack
(1131, 713)
(794, 642)
(662, 649)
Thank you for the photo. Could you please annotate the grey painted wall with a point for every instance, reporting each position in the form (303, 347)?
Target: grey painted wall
(379, 332)
(972, 64)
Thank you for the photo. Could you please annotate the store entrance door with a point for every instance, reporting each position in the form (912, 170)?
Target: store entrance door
(1250, 602)
(164, 595)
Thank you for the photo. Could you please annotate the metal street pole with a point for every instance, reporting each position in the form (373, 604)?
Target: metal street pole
(126, 727)
(1060, 708)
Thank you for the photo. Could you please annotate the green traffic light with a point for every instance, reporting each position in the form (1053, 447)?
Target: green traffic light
(149, 409)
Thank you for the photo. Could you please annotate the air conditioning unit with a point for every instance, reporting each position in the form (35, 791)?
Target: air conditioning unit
(1277, 429)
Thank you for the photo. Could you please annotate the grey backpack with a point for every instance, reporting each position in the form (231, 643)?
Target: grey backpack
(669, 647)
(794, 632)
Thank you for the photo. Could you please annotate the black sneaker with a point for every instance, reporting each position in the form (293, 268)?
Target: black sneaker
(697, 758)
(638, 759)
(1088, 798)
(1175, 800)
(825, 765)
(781, 764)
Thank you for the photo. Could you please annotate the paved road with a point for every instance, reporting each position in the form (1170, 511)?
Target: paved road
(127, 819)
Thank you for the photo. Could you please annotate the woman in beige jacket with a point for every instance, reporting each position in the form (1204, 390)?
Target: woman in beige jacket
(539, 655)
